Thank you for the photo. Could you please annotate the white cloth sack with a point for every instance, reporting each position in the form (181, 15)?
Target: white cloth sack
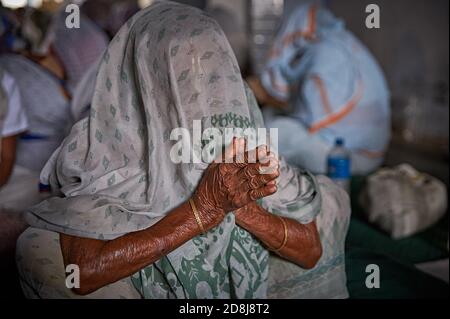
(403, 201)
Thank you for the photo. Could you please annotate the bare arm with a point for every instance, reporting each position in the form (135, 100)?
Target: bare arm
(262, 96)
(105, 262)
(223, 188)
(8, 157)
(303, 246)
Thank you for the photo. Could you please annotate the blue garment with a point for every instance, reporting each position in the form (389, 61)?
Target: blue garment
(332, 82)
(10, 39)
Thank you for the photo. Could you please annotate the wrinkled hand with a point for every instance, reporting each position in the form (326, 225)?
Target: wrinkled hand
(235, 182)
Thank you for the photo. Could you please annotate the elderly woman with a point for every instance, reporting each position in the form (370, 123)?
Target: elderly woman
(139, 225)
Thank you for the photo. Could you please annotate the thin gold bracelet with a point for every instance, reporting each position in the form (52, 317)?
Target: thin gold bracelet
(197, 216)
(285, 239)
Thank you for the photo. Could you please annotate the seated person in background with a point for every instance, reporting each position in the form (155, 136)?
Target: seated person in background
(13, 122)
(77, 49)
(110, 15)
(327, 85)
(124, 211)
(45, 73)
(46, 106)
(14, 179)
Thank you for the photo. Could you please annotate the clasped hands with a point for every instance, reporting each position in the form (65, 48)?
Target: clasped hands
(239, 179)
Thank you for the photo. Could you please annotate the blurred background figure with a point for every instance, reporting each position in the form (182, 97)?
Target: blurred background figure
(13, 122)
(10, 39)
(77, 49)
(18, 183)
(327, 86)
(110, 15)
(46, 68)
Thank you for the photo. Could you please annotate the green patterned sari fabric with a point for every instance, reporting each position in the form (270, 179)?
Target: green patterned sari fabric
(113, 174)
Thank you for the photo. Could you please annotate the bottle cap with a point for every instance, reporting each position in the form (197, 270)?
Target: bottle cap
(44, 188)
(339, 141)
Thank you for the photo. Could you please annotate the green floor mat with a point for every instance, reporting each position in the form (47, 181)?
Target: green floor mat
(397, 280)
(412, 250)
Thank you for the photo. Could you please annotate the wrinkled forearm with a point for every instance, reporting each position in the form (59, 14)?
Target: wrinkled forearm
(303, 246)
(105, 262)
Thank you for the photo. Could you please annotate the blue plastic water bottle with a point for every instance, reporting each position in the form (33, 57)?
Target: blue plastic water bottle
(339, 165)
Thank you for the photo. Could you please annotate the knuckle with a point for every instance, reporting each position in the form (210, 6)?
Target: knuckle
(222, 168)
(238, 202)
(247, 172)
(254, 194)
(254, 183)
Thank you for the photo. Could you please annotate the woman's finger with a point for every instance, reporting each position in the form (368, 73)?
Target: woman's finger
(272, 165)
(250, 177)
(256, 179)
(231, 151)
(238, 154)
(240, 159)
(256, 155)
(264, 191)
(272, 182)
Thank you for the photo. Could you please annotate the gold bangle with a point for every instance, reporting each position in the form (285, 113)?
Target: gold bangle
(285, 239)
(197, 216)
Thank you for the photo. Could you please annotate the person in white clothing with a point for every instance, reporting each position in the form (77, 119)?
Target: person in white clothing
(13, 122)
(19, 186)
